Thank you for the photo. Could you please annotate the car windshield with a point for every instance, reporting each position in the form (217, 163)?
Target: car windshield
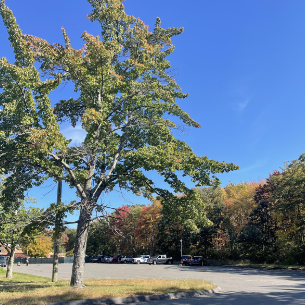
(186, 256)
(156, 256)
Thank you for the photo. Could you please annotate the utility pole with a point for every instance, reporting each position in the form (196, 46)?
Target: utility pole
(57, 234)
(181, 246)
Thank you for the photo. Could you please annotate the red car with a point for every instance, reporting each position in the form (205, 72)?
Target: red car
(116, 258)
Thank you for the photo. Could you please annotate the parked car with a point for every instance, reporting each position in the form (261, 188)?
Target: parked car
(97, 259)
(116, 258)
(198, 260)
(160, 259)
(186, 260)
(2, 261)
(126, 259)
(141, 259)
(94, 259)
(108, 259)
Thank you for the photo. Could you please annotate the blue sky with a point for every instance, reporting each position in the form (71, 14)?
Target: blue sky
(242, 62)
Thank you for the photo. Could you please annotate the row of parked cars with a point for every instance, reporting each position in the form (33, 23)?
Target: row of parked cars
(142, 259)
(146, 259)
(190, 260)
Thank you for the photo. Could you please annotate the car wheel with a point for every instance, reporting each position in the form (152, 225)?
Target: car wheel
(125, 262)
(138, 262)
(169, 262)
(155, 263)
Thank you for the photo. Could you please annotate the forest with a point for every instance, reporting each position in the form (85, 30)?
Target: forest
(259, 222)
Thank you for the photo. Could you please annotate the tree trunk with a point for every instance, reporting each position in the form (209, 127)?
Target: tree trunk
(56, 235)
(80, 245)
(55, 261)
(9, 271)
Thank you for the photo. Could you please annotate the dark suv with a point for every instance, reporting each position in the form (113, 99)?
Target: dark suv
(97, 259)
(198, 260)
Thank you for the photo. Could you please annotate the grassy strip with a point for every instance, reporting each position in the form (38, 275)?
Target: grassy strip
(251, 265)
(28, 289)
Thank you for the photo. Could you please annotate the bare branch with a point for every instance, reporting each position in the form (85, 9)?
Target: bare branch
(70, 171)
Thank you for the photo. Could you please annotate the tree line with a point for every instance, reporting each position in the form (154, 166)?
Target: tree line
(259, 222)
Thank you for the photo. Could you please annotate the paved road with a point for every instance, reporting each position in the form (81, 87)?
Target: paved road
(239, 285)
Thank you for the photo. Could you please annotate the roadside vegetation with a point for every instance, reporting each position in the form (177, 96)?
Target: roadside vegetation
(28, 289)
(248, 264)
(255, 222)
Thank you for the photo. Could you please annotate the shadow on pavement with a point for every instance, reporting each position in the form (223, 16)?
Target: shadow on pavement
(286, 274)
(293, 298)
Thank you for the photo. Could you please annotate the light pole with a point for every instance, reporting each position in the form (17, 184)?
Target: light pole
(181, 246)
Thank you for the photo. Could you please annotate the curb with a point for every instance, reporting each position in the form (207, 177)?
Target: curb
(144, 298)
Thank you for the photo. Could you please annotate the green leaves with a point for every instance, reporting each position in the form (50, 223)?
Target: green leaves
(126, 104)
(22, 49)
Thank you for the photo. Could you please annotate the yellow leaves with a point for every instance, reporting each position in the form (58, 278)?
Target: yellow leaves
(92, 116)
(239, 200)
(46, 140)
(41, 247)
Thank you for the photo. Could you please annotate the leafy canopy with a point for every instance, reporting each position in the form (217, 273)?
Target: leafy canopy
(127, 99)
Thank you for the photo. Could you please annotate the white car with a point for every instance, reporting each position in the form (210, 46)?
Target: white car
(126, 259)
(141, 259)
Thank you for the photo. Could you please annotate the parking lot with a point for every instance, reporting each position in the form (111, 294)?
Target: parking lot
(230, 279)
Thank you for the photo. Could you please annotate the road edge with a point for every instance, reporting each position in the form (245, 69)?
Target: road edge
(143, 298)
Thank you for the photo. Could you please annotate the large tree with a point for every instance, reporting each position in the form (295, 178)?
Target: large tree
(289, 210)
(127, 103)
(147, 226)
(211, 237)
(239, 203)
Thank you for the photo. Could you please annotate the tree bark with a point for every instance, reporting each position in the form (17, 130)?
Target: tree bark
(81, 244)
(9, 271)
(55, 261)
(56, 235)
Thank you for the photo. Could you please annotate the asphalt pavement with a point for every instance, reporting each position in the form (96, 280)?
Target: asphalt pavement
(239, 285)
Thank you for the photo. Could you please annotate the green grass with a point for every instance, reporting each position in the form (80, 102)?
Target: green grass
(29, 289)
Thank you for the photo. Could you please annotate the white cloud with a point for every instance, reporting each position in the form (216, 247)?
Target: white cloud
(242, 105)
